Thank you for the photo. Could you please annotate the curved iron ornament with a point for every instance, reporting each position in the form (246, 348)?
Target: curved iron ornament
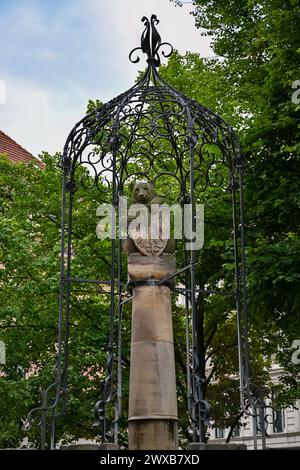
(151, 43)
(154, 132)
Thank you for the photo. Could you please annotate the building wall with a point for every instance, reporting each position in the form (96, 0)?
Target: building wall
(289, 437)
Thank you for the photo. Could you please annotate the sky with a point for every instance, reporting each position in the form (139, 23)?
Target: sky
(56, 55)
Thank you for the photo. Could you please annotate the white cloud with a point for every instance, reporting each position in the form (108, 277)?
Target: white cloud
(37, 118)
(123, 28)
(48, 83)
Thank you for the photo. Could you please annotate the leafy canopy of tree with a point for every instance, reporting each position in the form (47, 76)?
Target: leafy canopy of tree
(29, 277)
(258, 49)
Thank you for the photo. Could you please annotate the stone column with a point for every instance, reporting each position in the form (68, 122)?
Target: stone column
(152, 417)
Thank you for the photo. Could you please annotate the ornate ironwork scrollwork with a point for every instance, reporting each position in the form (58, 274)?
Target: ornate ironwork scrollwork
(151, 43)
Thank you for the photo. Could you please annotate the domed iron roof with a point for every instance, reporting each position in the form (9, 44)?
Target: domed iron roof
(151, 129)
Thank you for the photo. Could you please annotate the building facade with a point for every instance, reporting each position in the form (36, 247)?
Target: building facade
(282, 426)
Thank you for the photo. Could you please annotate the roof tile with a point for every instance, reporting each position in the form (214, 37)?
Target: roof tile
(15, 152)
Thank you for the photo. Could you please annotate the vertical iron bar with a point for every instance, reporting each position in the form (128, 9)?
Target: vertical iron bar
(61, 304)
(52, 430)
(245, 305)
(244, 287)
(112, 285)
(263, 430)
(192, 287)
(120, 314)
(197, 380)
(102, 411)
(113, 256)
(238, 300)
(262, 418)
(43, 423)
(187, 334)
(254, 422)
(68, 294)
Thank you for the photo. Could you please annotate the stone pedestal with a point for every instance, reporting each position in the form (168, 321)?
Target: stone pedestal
(109, 446)
(152, 418)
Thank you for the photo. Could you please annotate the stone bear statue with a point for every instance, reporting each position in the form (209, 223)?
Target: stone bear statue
(144, 193)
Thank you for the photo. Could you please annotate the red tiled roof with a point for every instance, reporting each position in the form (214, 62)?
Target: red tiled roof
(15, 152)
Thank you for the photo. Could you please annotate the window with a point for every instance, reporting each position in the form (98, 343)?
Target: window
(278, 420)
(258, 420)
(219, 433)
(278, 416)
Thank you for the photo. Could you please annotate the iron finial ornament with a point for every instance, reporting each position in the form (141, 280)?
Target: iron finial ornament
(151, 43)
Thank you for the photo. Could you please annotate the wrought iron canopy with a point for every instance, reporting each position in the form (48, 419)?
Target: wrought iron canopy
(153, 132)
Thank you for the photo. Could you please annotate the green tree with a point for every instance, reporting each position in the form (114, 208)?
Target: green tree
(257, 47)
(29, 278)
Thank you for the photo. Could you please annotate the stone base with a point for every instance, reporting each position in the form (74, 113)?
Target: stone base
(216, 446)
(155, 434)
(109, 446)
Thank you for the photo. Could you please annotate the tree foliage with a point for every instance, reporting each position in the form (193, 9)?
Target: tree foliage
(258, 45)
(30, 257)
